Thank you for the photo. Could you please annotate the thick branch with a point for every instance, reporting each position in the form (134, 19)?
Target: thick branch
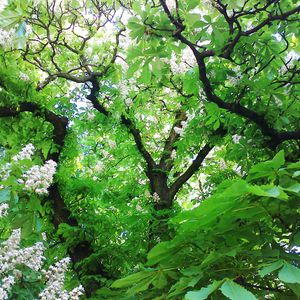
(194, 167)
(124, 120)
(166, 162)
(270, 19)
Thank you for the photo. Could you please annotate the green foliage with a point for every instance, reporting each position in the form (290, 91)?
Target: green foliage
(142, 92)
(243, 232)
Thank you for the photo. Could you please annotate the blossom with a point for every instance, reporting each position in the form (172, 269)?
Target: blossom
(7, 38)
(99, 167)
(39, 178)
(11, 255)
(3, 209)
(171, 4)
(128, 102)
(156, 197)
(178, 130)
(3, 3)
(173, 154)
(112, 144)
(24, 76)
(186, 62)
(152, 119)
(55, 277)
(105, 153)
(236, 138)
(25, 153)
(7, 283)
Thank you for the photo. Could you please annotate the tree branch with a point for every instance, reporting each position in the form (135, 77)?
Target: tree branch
(276, 136)
(124, 120)
(194, 167)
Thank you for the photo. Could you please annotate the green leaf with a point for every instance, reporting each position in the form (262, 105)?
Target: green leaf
(204, 292)
(9, 18)
(295, 287)
(146, 74)
(234, 291)
(289, 274)
(271, 268)
(4, 195)
(268, 191)
(141, 286)
(132, 279)
(268, 168)
(160, 280)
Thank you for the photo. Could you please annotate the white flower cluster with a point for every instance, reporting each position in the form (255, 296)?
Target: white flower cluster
(180, 130)
(90, 116)
(99, 167)
(186, 62)
(171, 4)
(3, 3)
(123, 87)
(5, 173)
(39, 178)
(156, 197)
(55, 277)
(25, 153)
(112, 144)
(7, 38)
(3, 209)
(24, 76)
(7, 283)
(173, 154)
(11, 255)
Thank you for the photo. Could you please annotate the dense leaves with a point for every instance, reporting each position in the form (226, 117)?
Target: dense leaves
(174, 126)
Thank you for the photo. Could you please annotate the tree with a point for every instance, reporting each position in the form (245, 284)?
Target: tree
(146, 108)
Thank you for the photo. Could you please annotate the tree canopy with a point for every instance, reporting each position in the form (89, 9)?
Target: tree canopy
(152, 147)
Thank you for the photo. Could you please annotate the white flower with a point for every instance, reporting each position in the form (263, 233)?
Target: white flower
(105, 153)
(25, 153)
(3, 3)
(156, 197)
(236, 138)
(39, 178)
(186, 61)
(7, 38)
(128, 102)
(55, 277)
(3, 209)
(99, 167)
(173, 154)
(11, 255)
(24, 76)
(123, 88)
(152, 119)
(112, 144)
(171, 4)
(178, 130)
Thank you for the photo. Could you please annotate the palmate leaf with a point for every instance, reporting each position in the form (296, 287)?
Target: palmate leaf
(132, 279)
(234, 291)
(271, 268)
(9, 18)
(289, 274)
(268, 168)
(204, 292)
